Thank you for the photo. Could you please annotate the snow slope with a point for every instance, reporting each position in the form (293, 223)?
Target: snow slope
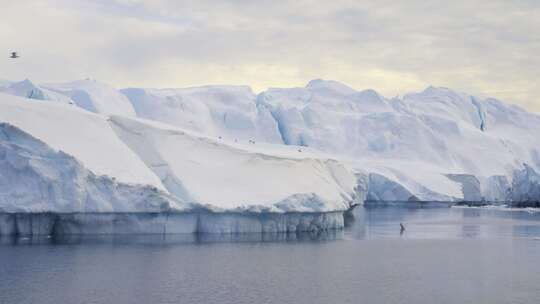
(418, 141)
(28, 89)
(94, 96)
(314, 148)
(181, 168)
(229, 112)
(87, 137)
(225, 176)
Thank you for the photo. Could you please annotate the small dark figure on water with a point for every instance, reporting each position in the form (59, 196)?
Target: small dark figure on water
(401, 228)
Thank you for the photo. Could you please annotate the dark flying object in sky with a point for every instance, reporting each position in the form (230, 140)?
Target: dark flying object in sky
(14, 55)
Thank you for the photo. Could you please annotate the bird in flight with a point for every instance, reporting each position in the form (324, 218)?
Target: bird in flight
(14, 55)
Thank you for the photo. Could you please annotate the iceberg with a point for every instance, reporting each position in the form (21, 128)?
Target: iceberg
(84, 157)
(91, 173)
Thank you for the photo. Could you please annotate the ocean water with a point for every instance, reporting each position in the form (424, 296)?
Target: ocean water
(445, 255)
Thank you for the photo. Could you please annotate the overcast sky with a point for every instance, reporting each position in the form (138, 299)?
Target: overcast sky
(489, 48)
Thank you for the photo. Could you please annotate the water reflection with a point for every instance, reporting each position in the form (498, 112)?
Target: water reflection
(172, 239)
(373, 222)
(421, 221)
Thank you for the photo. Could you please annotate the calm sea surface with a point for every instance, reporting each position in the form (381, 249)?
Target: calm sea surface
(445, 255)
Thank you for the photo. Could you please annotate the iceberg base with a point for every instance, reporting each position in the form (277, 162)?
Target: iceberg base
(166, 223)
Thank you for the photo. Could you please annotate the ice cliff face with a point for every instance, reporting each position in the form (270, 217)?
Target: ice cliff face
(525, 189)
(36, 178)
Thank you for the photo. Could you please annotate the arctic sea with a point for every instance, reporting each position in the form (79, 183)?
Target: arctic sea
(445, 255)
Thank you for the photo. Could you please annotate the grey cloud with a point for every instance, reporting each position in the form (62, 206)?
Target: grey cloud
(484, 47)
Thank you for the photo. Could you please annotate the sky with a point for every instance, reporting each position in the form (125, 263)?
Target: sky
(485, 48)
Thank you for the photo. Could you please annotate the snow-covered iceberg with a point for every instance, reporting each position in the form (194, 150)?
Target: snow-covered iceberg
(66, 170)
(223, 158)
(436, 145)
(421, 141)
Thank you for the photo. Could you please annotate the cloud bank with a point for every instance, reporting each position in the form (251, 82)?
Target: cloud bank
(488, 48)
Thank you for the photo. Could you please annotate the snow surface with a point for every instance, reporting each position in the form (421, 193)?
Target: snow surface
(86, 136)
(235, 177)
(416, 141)
(28, 89)
(95, 97)
(229, 112)
(194, 169)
